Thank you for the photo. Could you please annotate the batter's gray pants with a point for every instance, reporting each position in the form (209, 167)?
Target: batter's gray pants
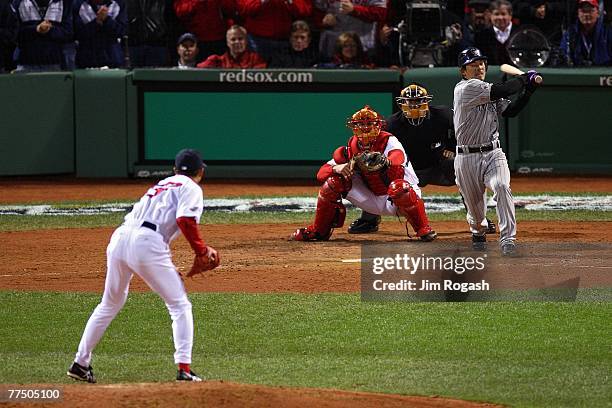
(477, 171)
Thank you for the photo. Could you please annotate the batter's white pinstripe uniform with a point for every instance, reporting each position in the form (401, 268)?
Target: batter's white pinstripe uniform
(476, 124)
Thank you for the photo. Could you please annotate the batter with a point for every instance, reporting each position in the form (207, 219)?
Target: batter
(142, 246)
(480, 162)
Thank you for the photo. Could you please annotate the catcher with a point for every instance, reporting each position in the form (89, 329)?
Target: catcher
(141, 246)
(427, 134)
(372, 172)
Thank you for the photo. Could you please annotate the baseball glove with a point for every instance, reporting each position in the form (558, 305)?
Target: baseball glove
(371, 161)
(205, 262)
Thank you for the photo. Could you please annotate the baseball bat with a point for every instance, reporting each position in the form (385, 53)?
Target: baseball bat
(510, 70)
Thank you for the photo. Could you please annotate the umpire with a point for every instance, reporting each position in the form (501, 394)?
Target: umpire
(428, 136)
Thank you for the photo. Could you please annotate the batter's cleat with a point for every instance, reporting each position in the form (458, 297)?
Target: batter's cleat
(306, 234)
(183, 375)
(427, 234)
(508, 249)
(479, 242)
(364, 226)
(78, 372)
(491, 228)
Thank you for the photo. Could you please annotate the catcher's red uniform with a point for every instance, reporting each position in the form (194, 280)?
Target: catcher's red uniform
(389, 191)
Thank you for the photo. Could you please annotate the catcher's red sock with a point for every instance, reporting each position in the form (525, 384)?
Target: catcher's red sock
(184, 367)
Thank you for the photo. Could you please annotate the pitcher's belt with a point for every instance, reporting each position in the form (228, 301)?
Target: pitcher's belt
(149, 225)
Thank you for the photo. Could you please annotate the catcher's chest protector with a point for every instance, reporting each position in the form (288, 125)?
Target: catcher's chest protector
(377, 181)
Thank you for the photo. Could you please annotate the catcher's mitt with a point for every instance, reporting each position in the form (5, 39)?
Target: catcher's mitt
(371, 161)
(205, 262)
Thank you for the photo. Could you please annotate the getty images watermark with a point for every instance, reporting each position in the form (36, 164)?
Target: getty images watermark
(405, 264)
(452, 271)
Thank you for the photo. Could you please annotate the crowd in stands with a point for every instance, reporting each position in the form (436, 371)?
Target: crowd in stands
(48, 35)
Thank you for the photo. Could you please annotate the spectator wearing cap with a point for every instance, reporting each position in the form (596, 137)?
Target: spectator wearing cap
(99, 26)
(207, 20)
(8, 36)
(268, 22)
(237, 56)
(187, 50)
(299, 52)
(588, 42)
(44, 27)
(492, 41)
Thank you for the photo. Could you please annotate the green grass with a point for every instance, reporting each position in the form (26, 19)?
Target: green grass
(34, 222)
(522, 353)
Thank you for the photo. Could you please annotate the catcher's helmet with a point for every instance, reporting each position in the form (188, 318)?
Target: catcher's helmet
(414, 103)
(469, 55)
(366, 124)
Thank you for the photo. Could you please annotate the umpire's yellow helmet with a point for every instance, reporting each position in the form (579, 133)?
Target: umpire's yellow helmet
(414, 103)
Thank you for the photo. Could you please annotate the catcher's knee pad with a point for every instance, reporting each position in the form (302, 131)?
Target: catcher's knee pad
(330, 212)
(402, 194)
(410, 205)
(335, 187)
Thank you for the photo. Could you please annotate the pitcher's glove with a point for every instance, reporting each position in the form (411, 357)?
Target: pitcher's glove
(205, 262)
(371, 161)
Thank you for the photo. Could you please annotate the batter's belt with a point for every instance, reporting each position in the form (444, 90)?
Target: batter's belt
(487, 147)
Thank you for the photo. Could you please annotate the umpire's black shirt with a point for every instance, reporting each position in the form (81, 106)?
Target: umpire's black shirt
(424, 143)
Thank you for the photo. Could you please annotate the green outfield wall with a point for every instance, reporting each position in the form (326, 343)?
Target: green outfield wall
(267, 123)
(37, 134)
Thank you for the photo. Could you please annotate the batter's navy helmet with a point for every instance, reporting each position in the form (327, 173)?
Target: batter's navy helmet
(469, 55)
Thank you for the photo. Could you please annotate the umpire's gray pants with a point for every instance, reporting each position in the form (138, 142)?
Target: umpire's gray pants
(477, 171)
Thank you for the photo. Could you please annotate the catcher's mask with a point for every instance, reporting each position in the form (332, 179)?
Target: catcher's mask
(414, 103)
(366, 124)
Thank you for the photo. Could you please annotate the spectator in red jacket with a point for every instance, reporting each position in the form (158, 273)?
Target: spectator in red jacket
(207, 19)
(269, 22)
(237, 56)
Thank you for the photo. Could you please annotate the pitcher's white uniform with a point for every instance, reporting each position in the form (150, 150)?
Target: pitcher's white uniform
(141, 246)
(476, 124)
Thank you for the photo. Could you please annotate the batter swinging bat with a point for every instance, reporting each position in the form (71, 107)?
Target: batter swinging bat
(509, 69)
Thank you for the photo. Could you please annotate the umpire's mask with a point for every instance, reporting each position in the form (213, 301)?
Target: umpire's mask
(414, 103)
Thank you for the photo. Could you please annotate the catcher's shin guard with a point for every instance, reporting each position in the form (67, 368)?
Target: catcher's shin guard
(410, 205)
(330, 212)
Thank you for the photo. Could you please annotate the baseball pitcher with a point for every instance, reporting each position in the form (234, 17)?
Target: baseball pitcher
(142, 246)
(373, 173)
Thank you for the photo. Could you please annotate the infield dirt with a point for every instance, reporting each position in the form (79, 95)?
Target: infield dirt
(257, 258)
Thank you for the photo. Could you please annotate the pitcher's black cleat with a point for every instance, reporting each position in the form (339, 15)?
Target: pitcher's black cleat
(78, 372)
